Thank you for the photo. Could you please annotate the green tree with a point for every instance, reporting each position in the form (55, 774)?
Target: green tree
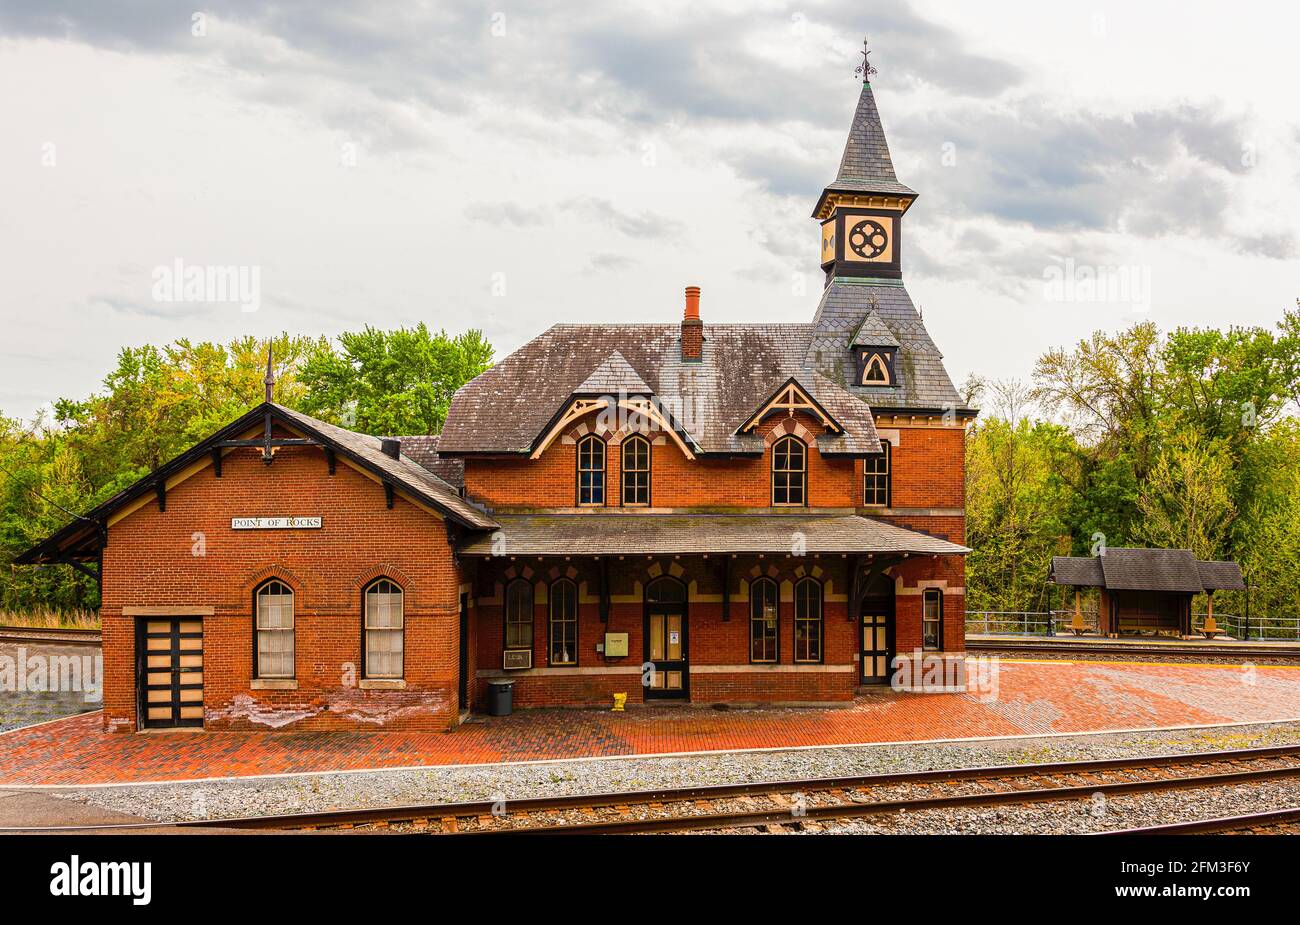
(392, 382)
(1017, 489)
(1186, 502)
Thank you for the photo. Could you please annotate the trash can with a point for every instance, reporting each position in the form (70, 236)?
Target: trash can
(501, 697)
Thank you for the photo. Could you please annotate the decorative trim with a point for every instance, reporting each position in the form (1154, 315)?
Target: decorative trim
(790, 397)
(167, 610)
(391, 572)
(279, 572)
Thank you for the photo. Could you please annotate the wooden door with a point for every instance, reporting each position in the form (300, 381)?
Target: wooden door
(169, 671)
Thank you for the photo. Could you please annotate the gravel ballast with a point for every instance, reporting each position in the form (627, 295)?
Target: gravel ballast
(352, 790)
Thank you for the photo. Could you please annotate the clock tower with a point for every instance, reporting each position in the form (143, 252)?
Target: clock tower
(861, 211)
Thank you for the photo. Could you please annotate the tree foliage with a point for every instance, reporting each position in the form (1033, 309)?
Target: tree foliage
(158, 401)
(1187, 439)
(392, 382)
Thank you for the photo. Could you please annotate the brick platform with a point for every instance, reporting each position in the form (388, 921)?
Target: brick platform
(1034, 698)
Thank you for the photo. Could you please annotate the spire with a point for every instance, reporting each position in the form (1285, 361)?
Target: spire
(269, 381)
(866, 167)
(866, 153)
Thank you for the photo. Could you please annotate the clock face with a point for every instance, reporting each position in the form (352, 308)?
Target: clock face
(868, 239)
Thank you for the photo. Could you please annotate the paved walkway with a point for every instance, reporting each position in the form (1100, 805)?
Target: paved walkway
(1032, 698)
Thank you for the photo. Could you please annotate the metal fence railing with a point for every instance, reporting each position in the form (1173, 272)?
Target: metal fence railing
(1059, 622)
(1026, 622)
(1258, 628)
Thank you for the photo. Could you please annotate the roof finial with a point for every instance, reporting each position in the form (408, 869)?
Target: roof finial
(865, 70)
(269, 381)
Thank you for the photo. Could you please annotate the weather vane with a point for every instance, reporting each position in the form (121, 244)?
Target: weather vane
(864, 70)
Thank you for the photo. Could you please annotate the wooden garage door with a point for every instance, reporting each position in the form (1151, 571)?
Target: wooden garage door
(170, 671)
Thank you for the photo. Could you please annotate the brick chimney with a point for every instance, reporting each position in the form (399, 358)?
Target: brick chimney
(391, 447)
(692, 328)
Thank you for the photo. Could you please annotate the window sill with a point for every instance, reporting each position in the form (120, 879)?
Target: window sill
(382, 684)
(274, 684)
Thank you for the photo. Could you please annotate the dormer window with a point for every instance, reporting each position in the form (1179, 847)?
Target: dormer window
(874, 348)
(875, 366)
(876, 373)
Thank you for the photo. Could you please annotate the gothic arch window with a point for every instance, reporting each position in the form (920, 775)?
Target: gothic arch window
(385, 629)
(562, 623)
(636, 472)
(808, 623)
(591, 471)
(273, 656)
(876, 371)
(764, 621)
(789, 473)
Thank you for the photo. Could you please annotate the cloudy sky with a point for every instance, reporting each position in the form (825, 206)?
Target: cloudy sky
(510, 166)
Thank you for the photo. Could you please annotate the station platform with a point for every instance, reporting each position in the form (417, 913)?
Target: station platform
(1025, 698)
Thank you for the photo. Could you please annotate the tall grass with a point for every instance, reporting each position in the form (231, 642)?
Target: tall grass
(45, 618)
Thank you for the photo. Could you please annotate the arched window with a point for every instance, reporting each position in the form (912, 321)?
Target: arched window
(636, 471)
(274, 601)
(875, 372)
(591, 470)
(519, 614)
(562, 623)
(764, 620)
(385, 620)
(808, 621)
(875, 491)
(789, 472)
(665, 590)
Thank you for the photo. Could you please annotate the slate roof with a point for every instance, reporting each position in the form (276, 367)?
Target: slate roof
(866, 165)
(507, 408)
(1221, 576)
(1173, 570)
(873, 332)
(423, 449)
(404, 470)
(922, 381)
(1077, 572)
(658, 534)
(615, 376)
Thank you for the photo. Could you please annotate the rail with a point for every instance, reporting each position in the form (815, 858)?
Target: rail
(1058, 622)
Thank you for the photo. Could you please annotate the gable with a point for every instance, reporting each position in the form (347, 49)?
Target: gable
(81, 539)
(791, 398)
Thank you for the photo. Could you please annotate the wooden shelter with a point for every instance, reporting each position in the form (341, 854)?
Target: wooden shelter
(1146, 591)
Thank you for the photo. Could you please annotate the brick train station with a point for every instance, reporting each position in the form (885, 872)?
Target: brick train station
(670, 511)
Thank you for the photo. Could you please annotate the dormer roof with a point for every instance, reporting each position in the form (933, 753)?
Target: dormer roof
(873, 332)
(614, 376)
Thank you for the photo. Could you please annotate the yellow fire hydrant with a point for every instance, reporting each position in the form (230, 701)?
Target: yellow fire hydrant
(620, 701)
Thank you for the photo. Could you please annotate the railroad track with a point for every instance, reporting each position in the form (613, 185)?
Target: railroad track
(1273, 822)
(1169, 651)
(786, 805)
(57, 634)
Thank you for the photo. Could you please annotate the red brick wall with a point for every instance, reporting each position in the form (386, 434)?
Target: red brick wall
(711, 641)
(150, 561)
(675, 481)
(928, 467)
